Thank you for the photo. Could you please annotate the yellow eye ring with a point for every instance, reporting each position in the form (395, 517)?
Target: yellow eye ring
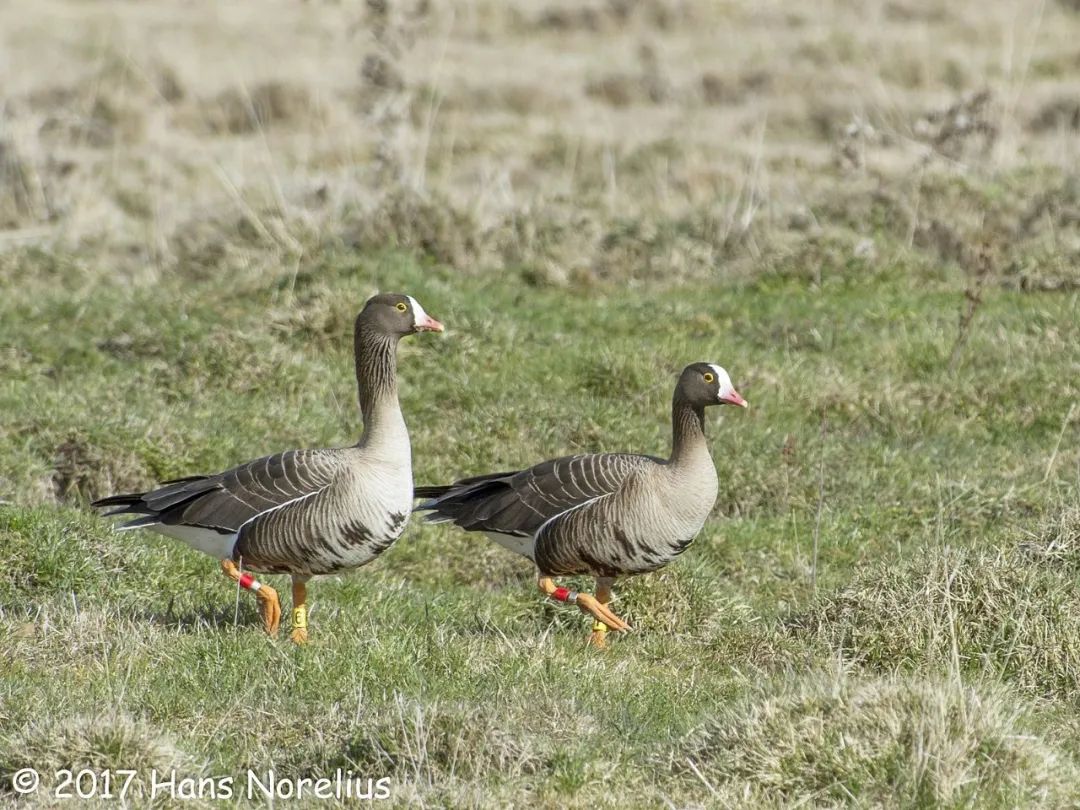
(401, 306)
(708, 376)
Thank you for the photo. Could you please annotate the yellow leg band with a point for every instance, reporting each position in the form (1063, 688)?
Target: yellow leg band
(299, 618)
(599, 627)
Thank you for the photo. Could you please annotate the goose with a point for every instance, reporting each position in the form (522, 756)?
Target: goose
(606, 514)
(303, 512)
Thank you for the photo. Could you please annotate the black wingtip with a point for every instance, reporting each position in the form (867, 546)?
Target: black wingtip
(186, 479)
(126, 500)
(431, 492)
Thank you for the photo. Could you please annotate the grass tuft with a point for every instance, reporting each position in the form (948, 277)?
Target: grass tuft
(431, 741)
(985, 612)
(1056, 542)
(409, 221)
(85, 471)
(823, 739)
(268, 104)
(108, 741)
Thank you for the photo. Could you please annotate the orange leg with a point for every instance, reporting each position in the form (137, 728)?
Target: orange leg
(587, 603)
(269, 605)
(598, 636)
(299, 610)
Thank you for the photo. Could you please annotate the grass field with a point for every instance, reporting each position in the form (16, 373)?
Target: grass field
(868, 212)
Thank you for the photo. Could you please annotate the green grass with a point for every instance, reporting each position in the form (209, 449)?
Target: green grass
(944, 587)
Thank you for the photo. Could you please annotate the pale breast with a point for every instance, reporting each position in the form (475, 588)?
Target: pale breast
(644, 526)
(375, 506)
(688, 497)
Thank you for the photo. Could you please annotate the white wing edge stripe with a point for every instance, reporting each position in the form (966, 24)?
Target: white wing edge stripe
(571, 509)
(265, 512)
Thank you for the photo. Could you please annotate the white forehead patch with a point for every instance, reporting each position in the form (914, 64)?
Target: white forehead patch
(418, 311)
(721, 377)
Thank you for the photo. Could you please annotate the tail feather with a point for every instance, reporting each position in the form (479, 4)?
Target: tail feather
(158, 504)
(129, 499)
(129, 504)
(461, 485)
(132, 503)
(469, 503)
(446, 494)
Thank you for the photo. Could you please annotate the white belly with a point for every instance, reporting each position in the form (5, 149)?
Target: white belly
(207, 541)
(512, 542)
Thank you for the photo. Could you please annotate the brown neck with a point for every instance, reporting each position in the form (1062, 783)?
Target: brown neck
(376, 373)
(687, 429)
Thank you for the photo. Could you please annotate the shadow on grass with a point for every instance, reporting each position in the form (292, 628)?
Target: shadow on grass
(192, 619)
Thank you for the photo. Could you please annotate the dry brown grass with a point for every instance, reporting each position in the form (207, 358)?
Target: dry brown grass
(398, 123)
(109, 741)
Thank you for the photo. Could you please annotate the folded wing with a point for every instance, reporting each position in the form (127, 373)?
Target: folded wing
(228, 500)
(519, 503)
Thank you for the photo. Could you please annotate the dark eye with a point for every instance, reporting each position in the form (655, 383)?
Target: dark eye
(401, 306)
(708, 376)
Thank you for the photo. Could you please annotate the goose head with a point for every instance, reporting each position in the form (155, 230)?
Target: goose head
(704, 384)
(397, 315)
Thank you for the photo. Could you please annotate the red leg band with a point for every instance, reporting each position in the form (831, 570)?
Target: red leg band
(562, 594)
(246, 581)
